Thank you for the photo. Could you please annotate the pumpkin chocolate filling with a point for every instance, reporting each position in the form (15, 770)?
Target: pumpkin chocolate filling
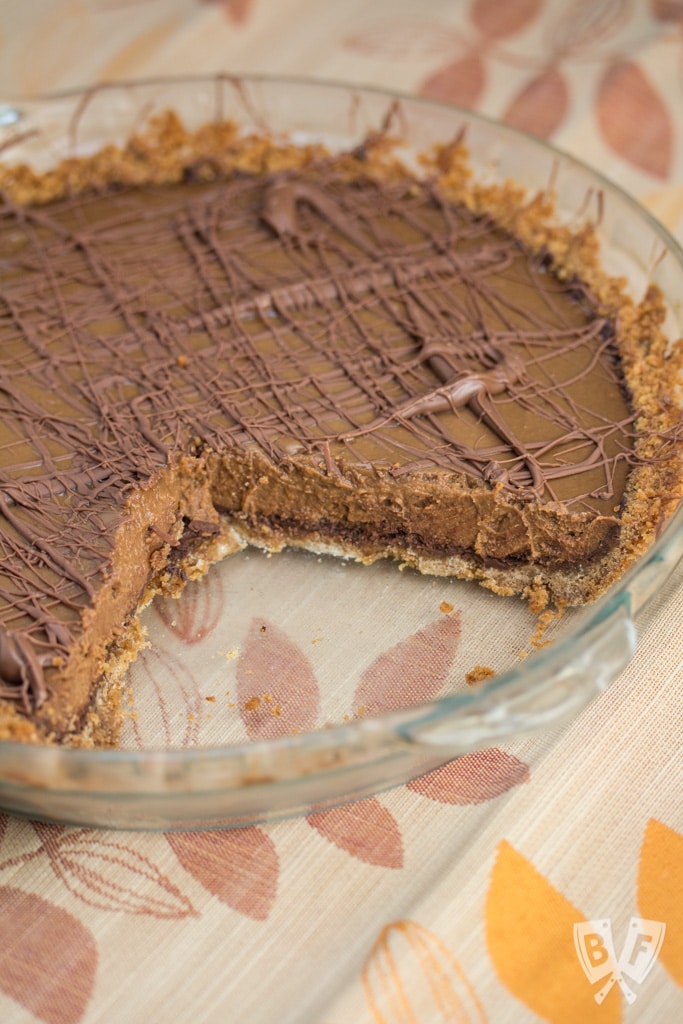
(319, 355)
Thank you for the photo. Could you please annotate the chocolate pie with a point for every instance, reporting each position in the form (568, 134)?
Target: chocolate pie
(210, 341)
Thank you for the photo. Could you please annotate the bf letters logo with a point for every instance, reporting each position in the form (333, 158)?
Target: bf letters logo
(595, 949)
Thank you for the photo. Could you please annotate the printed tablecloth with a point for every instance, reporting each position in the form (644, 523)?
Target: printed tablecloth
(455, 898)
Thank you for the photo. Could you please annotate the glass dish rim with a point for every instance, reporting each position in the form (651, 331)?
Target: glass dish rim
(619, 594)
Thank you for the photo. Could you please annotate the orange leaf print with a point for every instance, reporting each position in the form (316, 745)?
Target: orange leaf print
(193, 616)
(276, 687)
(529, 934)
(633, 118)
(541, 105)
(412, 671)
(239, 866)
(461, 82)
(472, 778)
(365, 829)
(48, 958)
(496, 20)
(411, 976)
(660, 895)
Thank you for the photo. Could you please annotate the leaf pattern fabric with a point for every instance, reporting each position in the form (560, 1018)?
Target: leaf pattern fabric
(197, 615)
(497, 22)
(634, 119)
(411, 975)
(412, 671)
(462, 82)
(473, 778)
(541, 106)
(660, 891)
(161, 721)
(48, 958)
(276, 686)
(529, 928)
(239, 866)
(111, 875)
(452, 899)
(365, 829)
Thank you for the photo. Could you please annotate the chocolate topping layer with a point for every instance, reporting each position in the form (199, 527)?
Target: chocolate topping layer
(320, 358)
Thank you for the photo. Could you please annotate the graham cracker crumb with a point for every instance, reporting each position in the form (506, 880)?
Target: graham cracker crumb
(478, 674)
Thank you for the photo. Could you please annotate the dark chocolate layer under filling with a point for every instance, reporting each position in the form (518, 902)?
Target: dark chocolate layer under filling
(348, 362)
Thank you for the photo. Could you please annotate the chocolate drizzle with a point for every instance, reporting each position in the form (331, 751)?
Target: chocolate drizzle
(21, 669)
(348, 323)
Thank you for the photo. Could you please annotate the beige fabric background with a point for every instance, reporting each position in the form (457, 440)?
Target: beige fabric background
(452, 900)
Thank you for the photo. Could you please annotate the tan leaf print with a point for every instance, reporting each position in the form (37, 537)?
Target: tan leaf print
(412, 671)
(48, 958)
(174, 707)
(473, 778)
(111, 875)
(239, 866)
(195, 615)
(529, 933)
(237, 11)
(411, 977)
(497, 20)
(582, 27)
(541, 106)
(660, 894)
(365, 829)
(277, 690)
(461, 82)
(634, 119)
(667, 10)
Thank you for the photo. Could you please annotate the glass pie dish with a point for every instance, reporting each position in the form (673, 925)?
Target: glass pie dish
(351, 678)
